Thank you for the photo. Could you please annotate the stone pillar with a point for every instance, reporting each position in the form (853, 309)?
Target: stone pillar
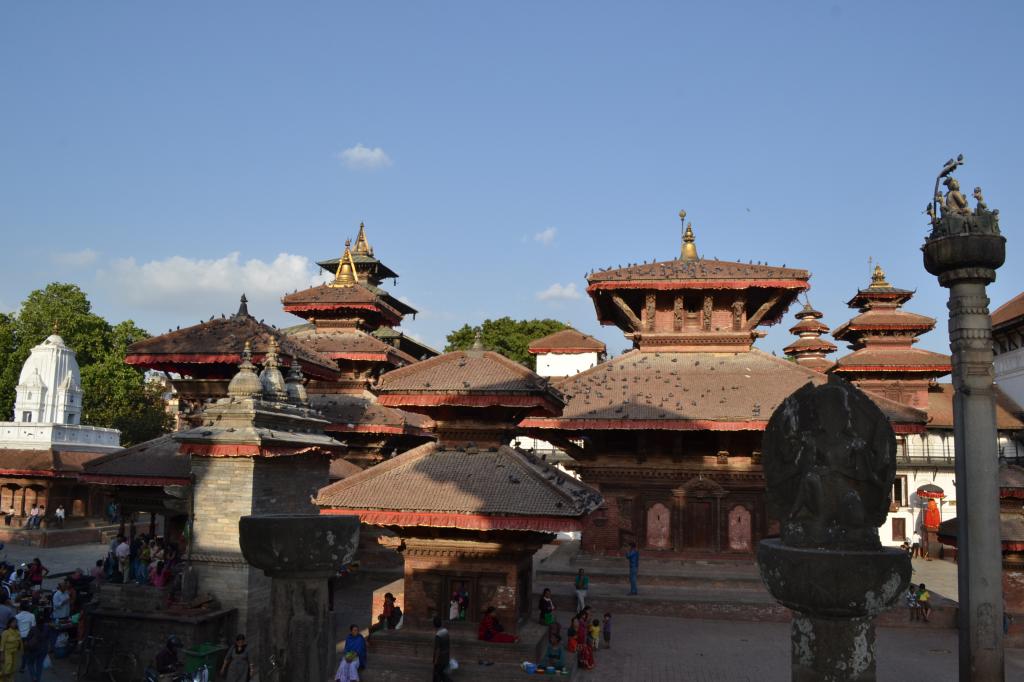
(300, 553)
(964, 250)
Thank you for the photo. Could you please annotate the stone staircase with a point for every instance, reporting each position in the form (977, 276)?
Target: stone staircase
(686, 588)
(407, 655)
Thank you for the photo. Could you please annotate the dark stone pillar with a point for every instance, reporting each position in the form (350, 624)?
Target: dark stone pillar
(299, 553)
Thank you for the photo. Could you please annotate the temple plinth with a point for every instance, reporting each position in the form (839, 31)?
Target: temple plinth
(299, 553)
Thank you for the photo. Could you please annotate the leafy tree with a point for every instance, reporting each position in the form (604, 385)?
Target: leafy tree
(116, 395)
(509, 337)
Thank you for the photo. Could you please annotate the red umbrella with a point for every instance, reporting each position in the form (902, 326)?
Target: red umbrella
(930, 491)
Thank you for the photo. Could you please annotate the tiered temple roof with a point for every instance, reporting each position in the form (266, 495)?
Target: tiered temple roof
(694, 304)
(567, 341)
(882, 336)
(367, 266)
(469, 480)
(212, 349)
(810, 349)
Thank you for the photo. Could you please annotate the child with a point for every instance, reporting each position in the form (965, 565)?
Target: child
(595, 634)
(912, 605)
(606, 630)
(348, 671)
(923, 597)
(573, 634)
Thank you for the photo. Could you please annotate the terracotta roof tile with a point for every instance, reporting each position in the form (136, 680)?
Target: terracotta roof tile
(884, 319)
(432, 478)
(224, 338)
(154, 459)
(1010, 312)
(700, 269)
(363, 413)
(47, 462)
(567, 341)
(466, 372)
(866, 359)
(350, 345)
(690, 391)
(1009, 415)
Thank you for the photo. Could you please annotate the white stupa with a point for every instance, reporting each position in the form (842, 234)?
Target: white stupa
(48, 406)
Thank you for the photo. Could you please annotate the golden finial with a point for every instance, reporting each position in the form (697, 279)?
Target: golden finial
(346, 274)
(363, 247)
(56, 327)
(878, 279)
(689, 251)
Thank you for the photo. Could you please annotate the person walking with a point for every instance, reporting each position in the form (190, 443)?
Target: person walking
(915, 547)
(633, 556)
(237, 667)
(442, 652)
(11, 647)
(582, 587)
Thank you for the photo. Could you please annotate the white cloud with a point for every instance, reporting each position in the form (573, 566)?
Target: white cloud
(75, 258)
(559, 292)
(204, 286)
(361, 157)
(545, 237)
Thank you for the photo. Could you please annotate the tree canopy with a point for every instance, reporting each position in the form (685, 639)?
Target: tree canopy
(509, 337)
(116, 395)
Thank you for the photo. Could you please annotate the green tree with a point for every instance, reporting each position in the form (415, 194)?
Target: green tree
(116, 395)
(509, 337)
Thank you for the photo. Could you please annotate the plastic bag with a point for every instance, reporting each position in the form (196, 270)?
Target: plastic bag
(47, 663)
(453, 664)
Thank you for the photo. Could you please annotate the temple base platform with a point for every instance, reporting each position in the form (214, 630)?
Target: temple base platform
(406, 655)
(76, 532)
(700, 588)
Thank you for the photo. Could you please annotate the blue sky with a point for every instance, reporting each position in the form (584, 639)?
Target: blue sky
(168, 156)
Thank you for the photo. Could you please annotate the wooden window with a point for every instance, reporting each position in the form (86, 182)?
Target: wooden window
(899, 491)
(26, 416)
(899, 529)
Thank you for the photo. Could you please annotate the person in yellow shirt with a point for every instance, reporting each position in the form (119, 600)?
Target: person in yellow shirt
(924, 602)
(10, 650)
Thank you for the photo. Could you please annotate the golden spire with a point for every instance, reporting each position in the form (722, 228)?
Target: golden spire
(363, 247)
(878, 279)
(689, 251)
(346, 274)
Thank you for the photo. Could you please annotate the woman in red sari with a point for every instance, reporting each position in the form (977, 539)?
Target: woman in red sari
(584, 653)
(491, 631)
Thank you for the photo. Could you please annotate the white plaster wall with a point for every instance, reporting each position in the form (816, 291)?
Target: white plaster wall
(564, 364)
(913, 512)
(31, 436)
(1010, 374)
(54, 365)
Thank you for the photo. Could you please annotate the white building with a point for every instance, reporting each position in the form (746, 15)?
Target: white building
(1008, 334)
(48, 406)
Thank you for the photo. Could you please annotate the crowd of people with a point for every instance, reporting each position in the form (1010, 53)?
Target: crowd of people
(36, 623)
(145, 560)
(35, 517)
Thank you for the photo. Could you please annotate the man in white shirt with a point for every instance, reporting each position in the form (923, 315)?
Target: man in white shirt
(33, 514)
(60, 515)
(26, 620)
(61, 602)
(916, 546)
(122, 553)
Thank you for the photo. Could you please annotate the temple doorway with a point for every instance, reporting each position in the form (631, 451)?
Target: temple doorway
(739, 529)
(658, 527)
(697, 524)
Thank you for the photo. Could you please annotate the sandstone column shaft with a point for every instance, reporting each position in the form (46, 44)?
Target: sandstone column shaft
(977, 483)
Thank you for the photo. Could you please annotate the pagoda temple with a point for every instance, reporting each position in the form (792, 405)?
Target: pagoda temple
(203, 358)
(468, 511)
(882, 337)
(809, 350)
(670, 432)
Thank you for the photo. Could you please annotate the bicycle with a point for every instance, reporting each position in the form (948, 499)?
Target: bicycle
(119, 666)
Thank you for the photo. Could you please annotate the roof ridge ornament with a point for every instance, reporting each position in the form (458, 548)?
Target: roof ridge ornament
(878, 279)
(478, 344)
(362, 246)
(245, 384)
(689, 250)
(243, 309)
(346, 274)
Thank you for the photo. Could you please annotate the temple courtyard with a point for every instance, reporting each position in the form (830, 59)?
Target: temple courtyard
(645, 647)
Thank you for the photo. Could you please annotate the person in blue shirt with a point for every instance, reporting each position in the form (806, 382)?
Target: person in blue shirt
(357, 643)
(634, 566)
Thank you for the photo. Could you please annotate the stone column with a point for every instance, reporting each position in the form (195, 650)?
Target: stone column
(964, 250)
(299, 553)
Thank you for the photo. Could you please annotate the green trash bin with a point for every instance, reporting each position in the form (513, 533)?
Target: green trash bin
(211, 655)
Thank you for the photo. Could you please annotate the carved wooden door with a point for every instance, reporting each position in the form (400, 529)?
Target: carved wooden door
(739, 529)
(698, 524)
(659, 526)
